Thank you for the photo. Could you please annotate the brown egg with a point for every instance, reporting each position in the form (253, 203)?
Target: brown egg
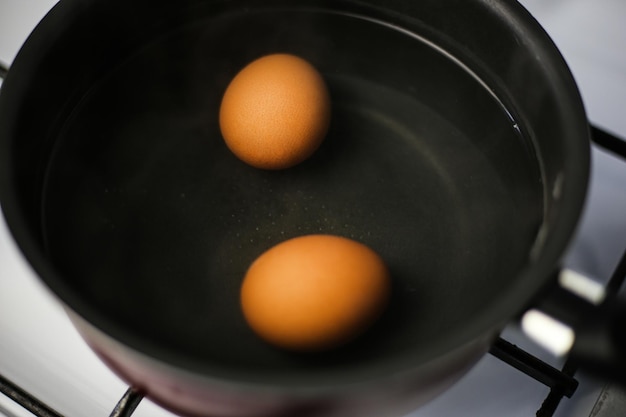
(314, 292)
(275, 112)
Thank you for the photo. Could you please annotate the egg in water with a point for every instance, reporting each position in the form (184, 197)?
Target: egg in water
(314, 292)
(275, 112)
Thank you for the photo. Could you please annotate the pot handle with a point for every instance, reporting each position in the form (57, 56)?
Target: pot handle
(581, 317)
(584, 320)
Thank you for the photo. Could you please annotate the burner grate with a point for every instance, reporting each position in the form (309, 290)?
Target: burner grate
(561, 383)
(27, 401)
(127, 404)
(124, 408)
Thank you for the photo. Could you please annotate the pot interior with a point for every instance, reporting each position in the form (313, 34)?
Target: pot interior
(150, 219)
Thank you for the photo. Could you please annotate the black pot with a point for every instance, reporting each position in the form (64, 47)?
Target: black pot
(458, 150)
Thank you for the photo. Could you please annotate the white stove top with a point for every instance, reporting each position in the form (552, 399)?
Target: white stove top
(41, 351)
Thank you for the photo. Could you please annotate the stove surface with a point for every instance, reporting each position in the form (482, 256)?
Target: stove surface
(41, 351)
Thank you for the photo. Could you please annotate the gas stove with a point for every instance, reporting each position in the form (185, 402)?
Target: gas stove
(43, 360)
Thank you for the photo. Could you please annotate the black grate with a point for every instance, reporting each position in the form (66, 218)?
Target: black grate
(124, 408)
(127, 404)
(26, 400)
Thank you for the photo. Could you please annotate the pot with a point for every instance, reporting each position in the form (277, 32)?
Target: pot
(458, 150)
